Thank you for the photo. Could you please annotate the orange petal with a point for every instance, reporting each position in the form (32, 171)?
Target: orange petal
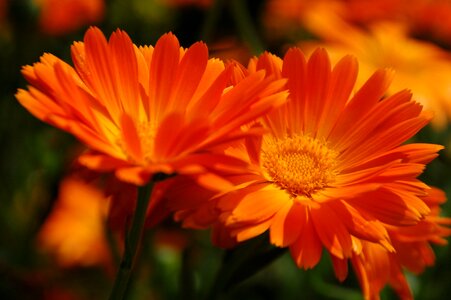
(259, 205)
(332, 232)
(340, 267)
(287, 224)
(246, 233)
(124, 66)
(391, 207)
(295, 69)
(307, 249)
(163, 69)
(101, 79)
(100, 162)
(130, 138)
(189, 73)
(342, 83)
(318, 80)
(361, 225)
(357, 108)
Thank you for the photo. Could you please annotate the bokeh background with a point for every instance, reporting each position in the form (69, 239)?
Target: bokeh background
(54, 239)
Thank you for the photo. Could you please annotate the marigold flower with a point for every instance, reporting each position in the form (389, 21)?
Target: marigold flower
(376, 267)
(331, 171)
(74, 230)
(62, 16)
(145, 110)
(419, 65)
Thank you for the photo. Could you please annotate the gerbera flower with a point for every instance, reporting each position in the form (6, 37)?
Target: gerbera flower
(145, 110)
(419, 65)
(62, 16)
(330, 172)
(376, 267)
(74, 231)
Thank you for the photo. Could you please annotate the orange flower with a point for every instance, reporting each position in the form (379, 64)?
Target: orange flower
(74, 230)
(288, 15)
(330, 172)
(62, 16)
(144, 110)
(376, 267)
(431, 19)
(419, 65)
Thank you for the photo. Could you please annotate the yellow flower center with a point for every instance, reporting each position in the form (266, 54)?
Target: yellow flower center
(300, 165)
(147, 133)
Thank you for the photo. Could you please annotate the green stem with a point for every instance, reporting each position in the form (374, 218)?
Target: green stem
(132, 239)
(243, 262)
(246, 26)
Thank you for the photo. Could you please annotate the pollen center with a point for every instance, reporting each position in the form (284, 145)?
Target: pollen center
(300, 165)
(147, 133)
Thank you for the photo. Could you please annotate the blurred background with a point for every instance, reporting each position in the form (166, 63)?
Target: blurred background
(54, 242)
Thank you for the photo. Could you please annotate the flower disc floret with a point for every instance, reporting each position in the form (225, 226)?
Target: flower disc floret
(301, 165)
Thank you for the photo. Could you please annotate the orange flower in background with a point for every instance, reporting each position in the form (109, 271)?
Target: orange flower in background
(62, 16)
(285, 15)
(432, 19)
(75, 229)
(429, 19)
(145, 110)
(331, 171)
(420, 66)
(376, 267)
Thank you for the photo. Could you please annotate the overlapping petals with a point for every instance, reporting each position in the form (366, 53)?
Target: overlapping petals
(144, 110)
(332, 172)
(376, 267)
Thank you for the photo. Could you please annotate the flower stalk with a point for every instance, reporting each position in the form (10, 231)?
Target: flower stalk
(132, 240)
(246, 26)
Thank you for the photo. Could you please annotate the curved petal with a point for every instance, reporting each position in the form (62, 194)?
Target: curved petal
(287, 224)
(259, 205)
(307, 249)
(331, 231)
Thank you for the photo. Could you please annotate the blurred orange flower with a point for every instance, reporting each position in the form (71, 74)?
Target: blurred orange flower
(145, 110)
(75, 229)
(376, 267)
(429, 19)
(285, 15)
(330, 172)
(432, 19)
(420, 66)
(62, 16)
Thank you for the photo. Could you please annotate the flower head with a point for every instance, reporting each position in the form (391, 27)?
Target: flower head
(331, 171)
(62, 16)
(74, 230)
(145, 110)
(419, 65)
